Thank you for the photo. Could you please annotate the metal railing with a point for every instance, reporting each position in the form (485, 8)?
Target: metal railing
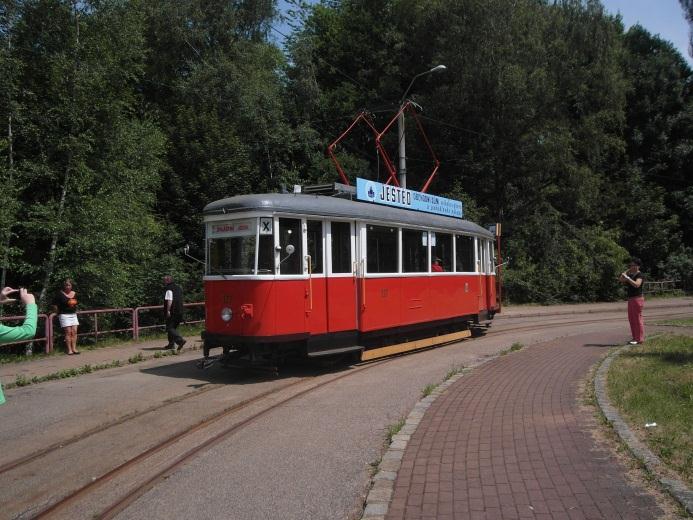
(120, 320)
(660, 286)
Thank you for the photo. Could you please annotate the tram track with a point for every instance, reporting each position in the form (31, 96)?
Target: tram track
(180, 456)
(162, 470)
(8, 466)
(565, 320)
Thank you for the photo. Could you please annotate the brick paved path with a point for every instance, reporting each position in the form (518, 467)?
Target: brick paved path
(510, 440)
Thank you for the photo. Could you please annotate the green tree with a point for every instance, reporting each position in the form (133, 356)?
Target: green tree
(92, 161)
(657, 190)
(10, 178)
(214, 83)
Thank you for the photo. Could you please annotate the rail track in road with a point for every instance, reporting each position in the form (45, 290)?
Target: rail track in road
(567, 321)
(179, 457)
(181, 447)
(8, 466)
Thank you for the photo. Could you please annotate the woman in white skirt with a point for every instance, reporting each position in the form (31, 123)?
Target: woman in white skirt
(65, 305)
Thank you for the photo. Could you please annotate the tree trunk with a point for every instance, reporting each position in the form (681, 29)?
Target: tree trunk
(50, 265)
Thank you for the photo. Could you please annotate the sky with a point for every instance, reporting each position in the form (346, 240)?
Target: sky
(660, 17)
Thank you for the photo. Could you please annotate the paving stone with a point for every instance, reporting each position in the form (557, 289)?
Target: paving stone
(510, 439)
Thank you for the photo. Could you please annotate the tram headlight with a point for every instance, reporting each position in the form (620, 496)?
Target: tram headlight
(226, 314)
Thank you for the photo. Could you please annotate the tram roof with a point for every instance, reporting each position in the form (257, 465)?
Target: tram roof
(334, 207)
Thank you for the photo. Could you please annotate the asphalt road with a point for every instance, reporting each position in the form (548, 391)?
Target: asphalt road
(310, 458)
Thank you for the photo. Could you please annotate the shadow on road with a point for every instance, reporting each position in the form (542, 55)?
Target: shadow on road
(219, 374)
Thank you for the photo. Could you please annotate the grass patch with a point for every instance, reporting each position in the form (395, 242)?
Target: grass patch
(428, 389)
(454, 370)
(653, 383)
(394, 429)
(685, 322)
(136, 358)
(513, 348)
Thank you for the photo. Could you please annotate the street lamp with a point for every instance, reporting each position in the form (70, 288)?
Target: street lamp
(400, 127)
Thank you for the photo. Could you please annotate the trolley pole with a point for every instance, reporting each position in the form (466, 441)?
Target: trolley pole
(401, 130)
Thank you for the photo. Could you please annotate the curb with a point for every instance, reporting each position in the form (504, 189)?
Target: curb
(52, 376)
(378, 499)
(652, 463)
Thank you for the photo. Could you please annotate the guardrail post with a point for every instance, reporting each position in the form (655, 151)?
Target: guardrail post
(96, 328)
(49, 333)
(135, 324)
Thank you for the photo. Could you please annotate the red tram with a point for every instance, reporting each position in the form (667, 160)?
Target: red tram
(316, 274)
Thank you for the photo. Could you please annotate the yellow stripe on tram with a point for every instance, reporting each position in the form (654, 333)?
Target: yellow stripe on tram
(368, 355)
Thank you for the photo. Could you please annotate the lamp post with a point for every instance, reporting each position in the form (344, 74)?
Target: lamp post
(400, 127)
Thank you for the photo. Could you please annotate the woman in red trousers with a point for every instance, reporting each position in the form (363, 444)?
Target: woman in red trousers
(634, 279)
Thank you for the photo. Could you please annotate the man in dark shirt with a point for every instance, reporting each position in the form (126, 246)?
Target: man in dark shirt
(173, 311)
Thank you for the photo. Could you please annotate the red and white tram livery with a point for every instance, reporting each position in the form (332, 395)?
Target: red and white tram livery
(314, 275)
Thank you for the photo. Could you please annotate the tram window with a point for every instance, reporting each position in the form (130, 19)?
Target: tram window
(232, 255)
(341, 247)
(290, 234)
(441, 247)
(464, 245)
(493, 257)
(414, 251)
(381, 249)
(315, 245)
(265, 260)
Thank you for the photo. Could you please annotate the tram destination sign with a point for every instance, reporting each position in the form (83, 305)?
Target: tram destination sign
(386, 194)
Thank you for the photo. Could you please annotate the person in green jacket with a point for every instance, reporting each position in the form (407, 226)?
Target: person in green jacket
(22, 332)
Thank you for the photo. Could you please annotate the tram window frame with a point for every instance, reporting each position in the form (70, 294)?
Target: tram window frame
(239, 254)
(442, 247)
(315, 245)
(479, 256)
(493, 256)
(265, 255)
(465, 263)
(415, 254)
(489, 259)
(377, 260)
(342, 249)
(290, 265)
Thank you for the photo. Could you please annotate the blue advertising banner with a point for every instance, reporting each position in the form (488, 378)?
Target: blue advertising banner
(371, 191)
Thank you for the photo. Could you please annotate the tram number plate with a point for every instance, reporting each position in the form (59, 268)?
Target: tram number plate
(265, 225)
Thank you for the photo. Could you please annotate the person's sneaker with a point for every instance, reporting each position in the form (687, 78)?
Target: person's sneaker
(633, 342)
(180, 345)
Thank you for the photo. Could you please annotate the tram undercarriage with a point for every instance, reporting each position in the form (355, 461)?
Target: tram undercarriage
(270, 353)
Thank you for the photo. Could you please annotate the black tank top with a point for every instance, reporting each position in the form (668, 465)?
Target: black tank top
(635, 291)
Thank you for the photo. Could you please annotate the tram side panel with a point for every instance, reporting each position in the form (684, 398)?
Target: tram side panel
(392, 302)
(416, 304)
(379, 303)
(491, 296)
(260, 308)
(342, 303)
(453, 296)
(315, 304)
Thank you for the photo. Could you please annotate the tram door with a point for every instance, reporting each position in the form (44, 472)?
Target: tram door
(341, 279)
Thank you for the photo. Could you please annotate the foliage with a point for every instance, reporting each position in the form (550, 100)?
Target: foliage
(125, 118)
(535, 120)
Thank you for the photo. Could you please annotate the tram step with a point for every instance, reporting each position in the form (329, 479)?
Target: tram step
(413, 345)
(335, 351)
